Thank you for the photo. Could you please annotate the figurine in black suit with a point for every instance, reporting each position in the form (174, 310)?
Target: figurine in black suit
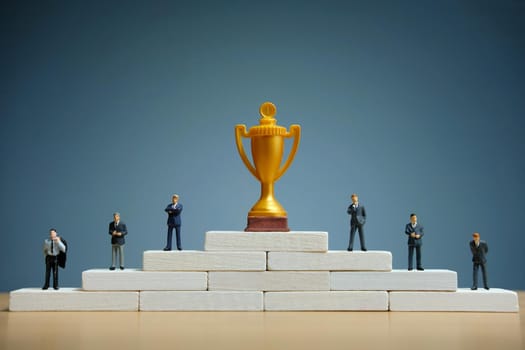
(357, 222)
(415, 233)
(52, 248)
(479, 249)
(117, 231)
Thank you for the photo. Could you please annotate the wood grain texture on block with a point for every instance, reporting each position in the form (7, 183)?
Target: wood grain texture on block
(481, 300)
(436, 280)
(133, 279)
(298, 241)
(201, 301)
(326, 301)
(270, 281)
(188, 260)
(71, 299)
(331, 261)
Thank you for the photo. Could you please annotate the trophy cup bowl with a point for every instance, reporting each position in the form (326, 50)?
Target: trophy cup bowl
(267, 146)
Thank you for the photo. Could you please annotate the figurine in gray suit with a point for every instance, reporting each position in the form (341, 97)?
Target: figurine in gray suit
(357, 222)
(415, 233)
(479, 249)
(117, 230)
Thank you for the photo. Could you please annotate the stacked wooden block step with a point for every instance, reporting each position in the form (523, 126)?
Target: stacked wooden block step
(273, 271)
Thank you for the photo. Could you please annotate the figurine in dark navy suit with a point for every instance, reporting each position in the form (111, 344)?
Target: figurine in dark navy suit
(173, 209)
(479, 249)
(415, 233)
(357, 222)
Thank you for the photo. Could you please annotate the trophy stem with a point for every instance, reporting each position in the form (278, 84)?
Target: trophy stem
(267, 214)
(267, 192)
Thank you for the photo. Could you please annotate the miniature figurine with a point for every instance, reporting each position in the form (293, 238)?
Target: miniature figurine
(52, 247)
(357, 222)
(117, 231)
(479, 249)
(414, 231)
(173, 209)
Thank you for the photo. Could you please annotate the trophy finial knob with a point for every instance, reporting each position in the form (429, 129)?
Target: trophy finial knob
(267, 110)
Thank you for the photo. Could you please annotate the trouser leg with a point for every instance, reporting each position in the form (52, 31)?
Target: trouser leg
(113, 255)
(484, 274)
(170, 237)
(121, 255)
(352, 236)
(475, 268)
(48, 273)
(418, 257)
(54, 267)
(361, 229)
(177, 234)
(410, 256)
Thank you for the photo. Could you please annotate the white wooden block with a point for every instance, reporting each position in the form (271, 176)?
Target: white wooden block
(481, 300)
(331, 261)
(71, 299)
(270, 281)
(436, 280)
(298, 241)
(326, 301)
(201, 301)
(188, 260)
(133, 279)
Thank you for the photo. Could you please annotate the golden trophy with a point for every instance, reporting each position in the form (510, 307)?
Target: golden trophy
(267, 143)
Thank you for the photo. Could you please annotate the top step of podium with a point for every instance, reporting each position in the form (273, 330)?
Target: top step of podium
(293, 241)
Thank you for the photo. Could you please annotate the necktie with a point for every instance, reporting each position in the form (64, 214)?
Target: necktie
(51, 247)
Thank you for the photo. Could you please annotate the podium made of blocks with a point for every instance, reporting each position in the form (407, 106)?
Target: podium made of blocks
(272, 271)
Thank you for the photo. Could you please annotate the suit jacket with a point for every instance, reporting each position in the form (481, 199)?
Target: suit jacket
(174, 214)
(357, 216)
(62, 256)
(121, 227)
(478, 253)
(418, 230)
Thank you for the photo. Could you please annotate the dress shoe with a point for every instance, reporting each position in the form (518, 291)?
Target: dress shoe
(55, 288)
(420, 269)
(167, 249)
(112, 268)
(122, 267)
(487, 288)
(179, 248)
(410, 269)
(364, 249)
(45, 287)
(349, 249)
(473, 288)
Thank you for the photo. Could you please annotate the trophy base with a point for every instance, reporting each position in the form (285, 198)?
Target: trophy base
(267, 224)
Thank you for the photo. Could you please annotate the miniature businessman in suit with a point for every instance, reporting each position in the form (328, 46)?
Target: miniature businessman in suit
(357, 222)
(52, 247)
(117, 231)
(414, 231)
(479, 249)
(174, 209)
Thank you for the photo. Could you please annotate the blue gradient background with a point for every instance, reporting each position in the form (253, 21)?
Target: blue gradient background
(107, 106)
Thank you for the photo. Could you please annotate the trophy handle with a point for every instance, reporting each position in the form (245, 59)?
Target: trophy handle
(240, 131)
(295, 131)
